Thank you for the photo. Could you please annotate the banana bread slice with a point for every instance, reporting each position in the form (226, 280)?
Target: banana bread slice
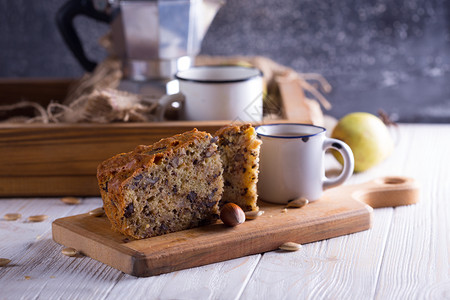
(239, 151)
(172, 185)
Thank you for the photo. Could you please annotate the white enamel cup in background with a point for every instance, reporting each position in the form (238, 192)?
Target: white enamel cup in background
(292, 162)
(220, 93)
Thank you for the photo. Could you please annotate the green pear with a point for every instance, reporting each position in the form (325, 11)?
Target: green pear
(368, 138)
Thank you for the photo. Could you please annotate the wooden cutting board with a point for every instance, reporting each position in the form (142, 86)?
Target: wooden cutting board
(342, 210)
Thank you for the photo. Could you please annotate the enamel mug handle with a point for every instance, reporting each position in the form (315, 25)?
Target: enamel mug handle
(165, 102)
(349, 162)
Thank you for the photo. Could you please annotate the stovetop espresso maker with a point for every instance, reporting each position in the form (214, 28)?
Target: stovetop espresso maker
(153, 38)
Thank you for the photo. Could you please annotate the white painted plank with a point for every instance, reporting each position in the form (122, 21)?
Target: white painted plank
(223, 280)
(416, 261)
(340, 268)
(34, 254)
(21, 234)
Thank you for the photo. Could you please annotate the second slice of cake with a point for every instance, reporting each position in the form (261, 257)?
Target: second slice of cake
(239, 151)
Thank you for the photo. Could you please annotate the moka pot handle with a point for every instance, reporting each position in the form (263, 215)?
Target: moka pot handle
(64, 20)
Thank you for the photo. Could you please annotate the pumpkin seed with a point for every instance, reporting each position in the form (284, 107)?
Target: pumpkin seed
(4, 262)
(37, 218)
(71, 200)
(297, 203)
(69, 251)
(12, 216)
(251, 215)
(98, 212)
(290, 246)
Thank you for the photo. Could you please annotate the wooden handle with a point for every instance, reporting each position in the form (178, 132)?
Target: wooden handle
(388, 191)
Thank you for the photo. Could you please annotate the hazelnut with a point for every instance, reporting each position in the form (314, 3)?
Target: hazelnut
(232, 215)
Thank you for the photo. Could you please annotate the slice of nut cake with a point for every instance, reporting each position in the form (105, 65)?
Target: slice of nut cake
(172, 185)
(239, 151)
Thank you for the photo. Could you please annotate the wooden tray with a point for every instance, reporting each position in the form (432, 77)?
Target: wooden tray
(62, 159)
(341, 211)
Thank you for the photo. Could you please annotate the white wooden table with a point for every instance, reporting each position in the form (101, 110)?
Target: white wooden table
(406, 254)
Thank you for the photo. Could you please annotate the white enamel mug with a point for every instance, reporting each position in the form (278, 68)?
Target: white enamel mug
(292, 162)
(220, 93)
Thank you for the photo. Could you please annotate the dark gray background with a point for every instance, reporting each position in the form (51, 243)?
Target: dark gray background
(388, 54)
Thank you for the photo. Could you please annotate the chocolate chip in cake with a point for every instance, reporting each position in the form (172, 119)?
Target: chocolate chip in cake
(210, 196)
(210, 203)
(192, 196)
(138, 177)
(151, 181)
(195, 162)
(163, 227)
(129, 210)
(175, 189)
